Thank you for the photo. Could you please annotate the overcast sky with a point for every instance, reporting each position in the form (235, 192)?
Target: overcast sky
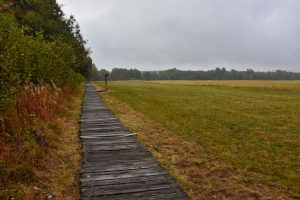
(190, 34)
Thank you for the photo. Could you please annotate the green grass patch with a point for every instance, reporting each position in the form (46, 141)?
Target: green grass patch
(252, 125)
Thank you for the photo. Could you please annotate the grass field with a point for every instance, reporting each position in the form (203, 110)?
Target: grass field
(252, 127)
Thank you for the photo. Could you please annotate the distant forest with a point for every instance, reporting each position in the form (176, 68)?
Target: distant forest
(175, 74)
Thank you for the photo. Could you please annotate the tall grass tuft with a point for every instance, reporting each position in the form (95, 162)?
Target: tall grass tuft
(35, 103)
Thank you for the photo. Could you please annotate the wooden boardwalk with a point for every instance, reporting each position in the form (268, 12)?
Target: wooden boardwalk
(115, 164)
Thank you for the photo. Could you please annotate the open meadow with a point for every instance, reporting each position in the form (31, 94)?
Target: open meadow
(222, 138)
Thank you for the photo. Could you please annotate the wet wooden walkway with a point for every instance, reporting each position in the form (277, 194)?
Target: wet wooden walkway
(115, 164)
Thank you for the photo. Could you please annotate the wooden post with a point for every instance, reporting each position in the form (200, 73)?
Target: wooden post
(106, 75)
(105, 78)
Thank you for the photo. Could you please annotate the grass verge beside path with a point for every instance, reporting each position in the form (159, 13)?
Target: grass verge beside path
(60, 177)
(41, 159)
(155, 111)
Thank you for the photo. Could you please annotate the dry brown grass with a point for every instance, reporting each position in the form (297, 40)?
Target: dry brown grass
(201, 174)
(39, 144)
(286, 85)
(60, 170)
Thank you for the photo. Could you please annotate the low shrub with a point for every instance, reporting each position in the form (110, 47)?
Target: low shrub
(25, 58)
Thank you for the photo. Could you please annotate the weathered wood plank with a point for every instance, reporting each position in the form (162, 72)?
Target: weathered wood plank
(111, 163)
(115, 190)
(127, 189)
(145, 195)
(119, 168)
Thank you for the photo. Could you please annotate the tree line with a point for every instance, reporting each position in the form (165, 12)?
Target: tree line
(39, 44)
(175, 74)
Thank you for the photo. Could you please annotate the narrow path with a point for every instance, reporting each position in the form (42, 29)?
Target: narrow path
(115, 164)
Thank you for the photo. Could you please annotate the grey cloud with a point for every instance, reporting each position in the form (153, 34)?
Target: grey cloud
(190, 34)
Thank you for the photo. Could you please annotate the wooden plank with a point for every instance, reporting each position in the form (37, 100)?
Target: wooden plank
(119, 176)
(94, 125)
(119, 173)
(139, 179)
(97, 120)
(109, 148)
(133, 189)
(121, 141)
(111, 163)
(120, 157)
(119, 168)
(145, 195)
(106, 135)
(102, 129)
